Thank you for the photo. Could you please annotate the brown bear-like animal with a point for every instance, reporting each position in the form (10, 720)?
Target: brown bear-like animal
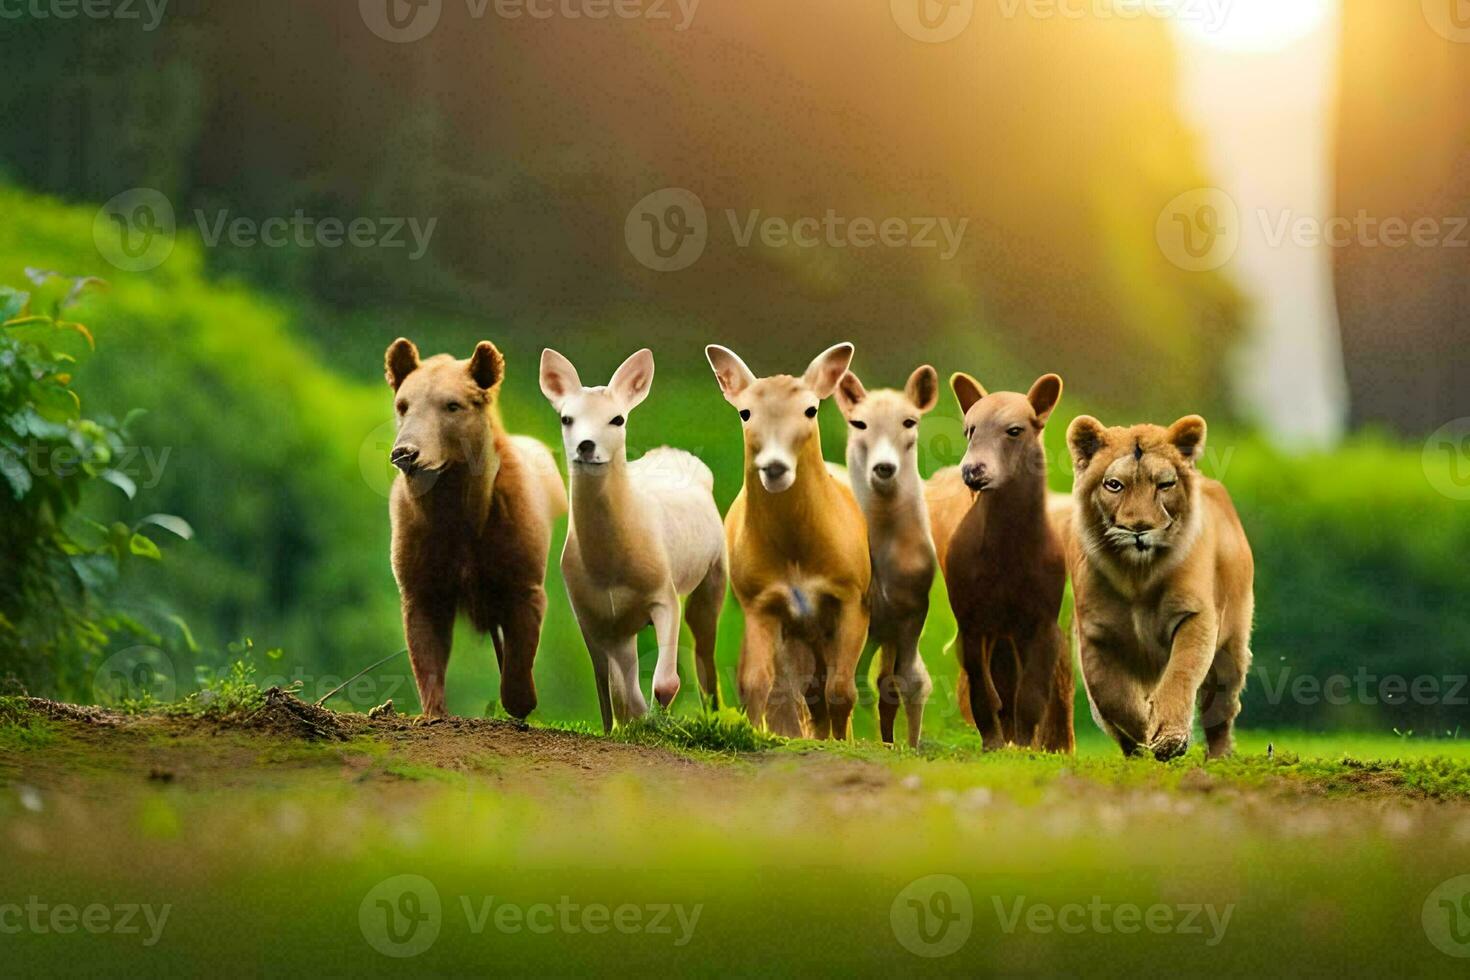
(472, 509)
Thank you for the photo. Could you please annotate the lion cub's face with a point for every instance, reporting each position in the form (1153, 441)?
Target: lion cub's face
(1135, 486)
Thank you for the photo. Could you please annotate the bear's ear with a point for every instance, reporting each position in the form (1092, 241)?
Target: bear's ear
(827, 369)
(558, 377)
(1085, 437)
(1188, 436)
(923, 389)
(730, 371)
(487, 366)
(1044, 395)
(966, 390)
(849, 394)
(400, 361)
(631, 381)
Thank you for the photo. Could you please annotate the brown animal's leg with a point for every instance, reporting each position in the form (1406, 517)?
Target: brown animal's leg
(1004, 670)
(1057, 732)
(842, 656)
(890, 693)
(1039, 653)
(1118, 699)
(976, 657)
(962, 682)
(757, 670)
(1171, 706)
(522, 623)
(1219, 697)
(702, 613)
(428, 626)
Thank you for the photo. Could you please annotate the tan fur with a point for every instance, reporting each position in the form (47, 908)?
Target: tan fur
(799, 562)
(1163, 580)
(472, 511)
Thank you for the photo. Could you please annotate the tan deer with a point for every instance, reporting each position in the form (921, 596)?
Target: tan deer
(798, 547)
(883, 463)
(641, 535)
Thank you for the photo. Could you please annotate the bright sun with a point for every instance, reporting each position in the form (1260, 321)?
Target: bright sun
(1251, 25)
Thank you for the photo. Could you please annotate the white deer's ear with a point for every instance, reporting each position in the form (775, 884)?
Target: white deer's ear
(823, 373)
(558, 377)
(730, 371)
(922, 388)
(850, 393)
(631, 382)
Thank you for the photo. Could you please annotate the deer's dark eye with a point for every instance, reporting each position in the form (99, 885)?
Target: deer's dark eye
(618, 420)
(1113, 486)
(811, 413)
(1014, 431)
(566, 420)
(402, 407)
(453, 407)
(856, 424)
(910, 423)
(745, 415)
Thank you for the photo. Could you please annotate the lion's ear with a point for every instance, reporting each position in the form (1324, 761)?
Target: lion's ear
(1085, 437)
(1188, 436)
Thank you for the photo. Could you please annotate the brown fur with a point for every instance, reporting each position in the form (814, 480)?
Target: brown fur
(1005, 572)
(1163, 579)
(799, 562)
(472, 512)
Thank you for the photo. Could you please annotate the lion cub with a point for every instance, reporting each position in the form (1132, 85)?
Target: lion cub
(1162, 575)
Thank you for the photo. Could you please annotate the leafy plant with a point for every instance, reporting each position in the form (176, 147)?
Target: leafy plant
(60, 566)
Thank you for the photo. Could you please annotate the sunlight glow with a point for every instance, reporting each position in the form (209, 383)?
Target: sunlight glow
(1251, 26)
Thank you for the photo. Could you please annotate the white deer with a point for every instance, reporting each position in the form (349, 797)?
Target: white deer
(641, 536)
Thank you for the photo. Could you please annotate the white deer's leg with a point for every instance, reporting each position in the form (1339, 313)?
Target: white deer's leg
(914, 682)
(665, 616)
(628, 702)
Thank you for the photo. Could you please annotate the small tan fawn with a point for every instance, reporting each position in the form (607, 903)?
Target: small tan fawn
(798, 549)
(1005, 571)
(883, 463)
(642, 534)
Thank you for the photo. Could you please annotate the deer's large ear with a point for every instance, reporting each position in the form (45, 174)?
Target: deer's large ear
(558, 377)
(850, 393)
(923, 388)
(1188, 436)
(967, 390)
(487, 365)
(631, 382)
(1085, 437)
(1044, 395)
(401, 360)
(730, 371)
(827, 369)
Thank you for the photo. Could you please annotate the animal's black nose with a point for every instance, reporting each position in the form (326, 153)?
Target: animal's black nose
(774, 471)
(404, 457)
(974, 476)
(586, 448)
(885, 471)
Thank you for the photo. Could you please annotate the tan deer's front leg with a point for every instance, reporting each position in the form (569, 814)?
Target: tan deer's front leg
(757, 671)
(1171, 706)
(842, 656)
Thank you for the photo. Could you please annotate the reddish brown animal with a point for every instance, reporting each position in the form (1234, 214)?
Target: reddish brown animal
(1005, 571)
(472, 509)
